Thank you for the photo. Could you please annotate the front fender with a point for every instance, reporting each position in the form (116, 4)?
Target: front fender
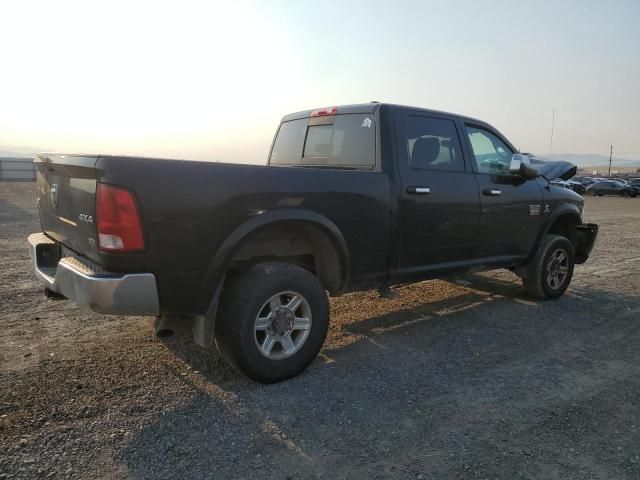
(560, 211)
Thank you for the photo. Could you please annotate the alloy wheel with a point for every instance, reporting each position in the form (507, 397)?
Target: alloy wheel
(557, 268)
(282, 325)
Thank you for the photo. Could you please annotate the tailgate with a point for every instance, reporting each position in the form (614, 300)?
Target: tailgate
(66, 200)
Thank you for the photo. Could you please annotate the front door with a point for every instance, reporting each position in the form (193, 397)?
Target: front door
(512, 207)
(439, 212)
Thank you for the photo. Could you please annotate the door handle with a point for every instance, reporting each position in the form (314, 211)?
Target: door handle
(492, 192)
(418, 190)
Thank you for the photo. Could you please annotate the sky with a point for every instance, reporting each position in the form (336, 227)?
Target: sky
(211, 80)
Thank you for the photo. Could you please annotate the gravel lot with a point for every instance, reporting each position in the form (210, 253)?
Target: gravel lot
(450, 380)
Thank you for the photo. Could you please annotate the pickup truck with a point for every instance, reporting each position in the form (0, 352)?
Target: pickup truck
(352, 197)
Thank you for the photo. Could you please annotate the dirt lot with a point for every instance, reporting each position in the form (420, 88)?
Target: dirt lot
(449, 380)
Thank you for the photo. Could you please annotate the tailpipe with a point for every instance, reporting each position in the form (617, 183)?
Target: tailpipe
(166, 326)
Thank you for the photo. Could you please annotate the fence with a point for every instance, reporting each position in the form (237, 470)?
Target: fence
(17, 169)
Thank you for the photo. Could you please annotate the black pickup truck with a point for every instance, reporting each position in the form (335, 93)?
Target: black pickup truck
(353, 197)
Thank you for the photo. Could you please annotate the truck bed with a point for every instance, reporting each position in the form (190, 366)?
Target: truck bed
(189, 208)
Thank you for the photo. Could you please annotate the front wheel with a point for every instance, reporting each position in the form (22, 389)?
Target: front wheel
(593, 192)
(550, 271)
(272, 322)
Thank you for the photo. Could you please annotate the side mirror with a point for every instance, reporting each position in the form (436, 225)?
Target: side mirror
(521, 165)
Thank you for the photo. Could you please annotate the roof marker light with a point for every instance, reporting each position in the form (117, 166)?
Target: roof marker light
(321, 112)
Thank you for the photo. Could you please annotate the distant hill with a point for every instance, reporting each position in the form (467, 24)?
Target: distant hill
(589, 160)
(25, 152)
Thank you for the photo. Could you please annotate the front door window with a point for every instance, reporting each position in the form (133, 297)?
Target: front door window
(491, 154)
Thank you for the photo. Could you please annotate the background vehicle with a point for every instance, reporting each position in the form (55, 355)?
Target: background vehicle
(577, 186)
(562, 183)
(354, 197)
(611, 187)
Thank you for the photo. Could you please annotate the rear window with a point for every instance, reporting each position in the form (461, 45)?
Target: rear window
(347, 142)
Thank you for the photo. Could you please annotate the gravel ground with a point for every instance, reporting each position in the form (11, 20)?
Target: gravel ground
(450, 380)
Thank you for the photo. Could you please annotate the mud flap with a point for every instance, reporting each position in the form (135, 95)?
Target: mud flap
(204, 325)
(586, 234)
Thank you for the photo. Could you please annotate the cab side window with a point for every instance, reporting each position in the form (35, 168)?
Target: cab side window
(491, 154)
(433, 144)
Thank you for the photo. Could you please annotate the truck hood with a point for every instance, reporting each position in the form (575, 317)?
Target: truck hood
(553, 169)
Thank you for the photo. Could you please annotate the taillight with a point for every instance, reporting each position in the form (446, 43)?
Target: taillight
(118, 220)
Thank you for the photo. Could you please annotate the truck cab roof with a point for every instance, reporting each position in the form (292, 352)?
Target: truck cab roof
(371, 107)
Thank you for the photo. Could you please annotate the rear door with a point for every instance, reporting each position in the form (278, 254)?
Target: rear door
(512, 207)
(66, 200)
(439, 211)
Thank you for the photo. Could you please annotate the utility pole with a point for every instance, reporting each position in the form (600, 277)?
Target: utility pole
(610, 155)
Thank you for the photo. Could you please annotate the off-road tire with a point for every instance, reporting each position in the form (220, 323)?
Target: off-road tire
(243, 297)
(535, 276)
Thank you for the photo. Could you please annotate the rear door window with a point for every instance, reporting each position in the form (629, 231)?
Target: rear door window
(344, 141)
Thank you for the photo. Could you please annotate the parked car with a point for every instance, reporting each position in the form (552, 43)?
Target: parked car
(611, 187)
(582, 180)
(587, 180)
(577, 186)
(353, 197)
(570, 184)
(561, 183)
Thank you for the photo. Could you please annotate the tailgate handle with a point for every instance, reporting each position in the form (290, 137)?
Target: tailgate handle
(492, 192)
(418, 190)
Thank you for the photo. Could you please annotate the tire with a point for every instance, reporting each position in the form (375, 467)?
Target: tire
(543, 276)
(255, 316)
(625, 194)
(593, 192)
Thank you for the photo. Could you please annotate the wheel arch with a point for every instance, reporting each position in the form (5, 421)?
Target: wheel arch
(563, 222)
(258, 237)
(328, 249)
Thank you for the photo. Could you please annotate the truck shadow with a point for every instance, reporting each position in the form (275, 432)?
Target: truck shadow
(485, 375)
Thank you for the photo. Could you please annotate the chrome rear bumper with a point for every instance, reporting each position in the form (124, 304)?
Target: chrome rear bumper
(88, 285)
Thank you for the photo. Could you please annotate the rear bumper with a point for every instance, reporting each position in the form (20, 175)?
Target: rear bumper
(586, 234)
(88, 285)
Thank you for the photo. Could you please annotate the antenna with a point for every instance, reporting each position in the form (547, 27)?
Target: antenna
(553, 123)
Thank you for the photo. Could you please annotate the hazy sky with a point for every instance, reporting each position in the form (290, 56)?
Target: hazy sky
(211, 80)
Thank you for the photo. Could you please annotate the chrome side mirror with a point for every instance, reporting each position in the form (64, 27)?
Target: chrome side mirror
(521, 165)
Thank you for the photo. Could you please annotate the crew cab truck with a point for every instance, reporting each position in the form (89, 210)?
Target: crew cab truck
(353, 197)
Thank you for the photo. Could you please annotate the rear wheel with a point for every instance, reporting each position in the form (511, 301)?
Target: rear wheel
(550, 271)
(272, 322)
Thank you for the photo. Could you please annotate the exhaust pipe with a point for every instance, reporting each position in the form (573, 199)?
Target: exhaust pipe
(166, 326)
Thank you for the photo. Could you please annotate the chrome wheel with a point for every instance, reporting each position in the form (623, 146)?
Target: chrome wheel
(557, 268)
(282, 325)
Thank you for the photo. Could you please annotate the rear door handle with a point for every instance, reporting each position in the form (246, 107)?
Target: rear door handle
(492, 192)
(418, 190)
